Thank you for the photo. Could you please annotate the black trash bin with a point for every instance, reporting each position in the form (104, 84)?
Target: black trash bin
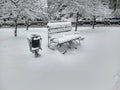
(35, 42)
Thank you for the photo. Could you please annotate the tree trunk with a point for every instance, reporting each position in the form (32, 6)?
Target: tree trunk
(15, 33)
(93, 24)
(27, 25)
(76, 21)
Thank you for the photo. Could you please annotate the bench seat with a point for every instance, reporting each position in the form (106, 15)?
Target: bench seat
(65, 38)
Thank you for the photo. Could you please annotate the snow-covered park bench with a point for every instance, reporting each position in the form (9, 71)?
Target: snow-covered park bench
(60, 33)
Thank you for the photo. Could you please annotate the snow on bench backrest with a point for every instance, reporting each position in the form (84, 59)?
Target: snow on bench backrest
(59, 27)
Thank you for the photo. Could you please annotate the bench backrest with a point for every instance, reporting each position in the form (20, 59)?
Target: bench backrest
(59, 27)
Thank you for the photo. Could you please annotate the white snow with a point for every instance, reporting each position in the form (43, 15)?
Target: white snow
(67, 38)
(59, 27)
(93, 66)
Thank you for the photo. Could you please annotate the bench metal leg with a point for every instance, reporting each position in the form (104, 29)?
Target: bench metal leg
(71, 44)
(59, 46)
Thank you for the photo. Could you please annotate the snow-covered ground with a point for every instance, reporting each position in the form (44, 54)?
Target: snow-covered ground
(95, 65)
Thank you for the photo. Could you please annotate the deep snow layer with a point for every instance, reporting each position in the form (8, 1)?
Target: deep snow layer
(95, 65)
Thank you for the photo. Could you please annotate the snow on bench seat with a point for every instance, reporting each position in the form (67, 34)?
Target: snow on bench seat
(66, 38)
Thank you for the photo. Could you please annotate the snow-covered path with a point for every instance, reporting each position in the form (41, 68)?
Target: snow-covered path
(93, 66)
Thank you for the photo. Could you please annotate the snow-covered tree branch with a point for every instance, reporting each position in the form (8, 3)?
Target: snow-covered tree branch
(27, 9)
(68, 8)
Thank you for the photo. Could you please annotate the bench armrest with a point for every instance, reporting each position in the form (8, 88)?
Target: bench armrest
(54, 40)
(76, 33)
(82, 38)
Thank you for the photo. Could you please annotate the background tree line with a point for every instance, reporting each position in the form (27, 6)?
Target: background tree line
(56, 9)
